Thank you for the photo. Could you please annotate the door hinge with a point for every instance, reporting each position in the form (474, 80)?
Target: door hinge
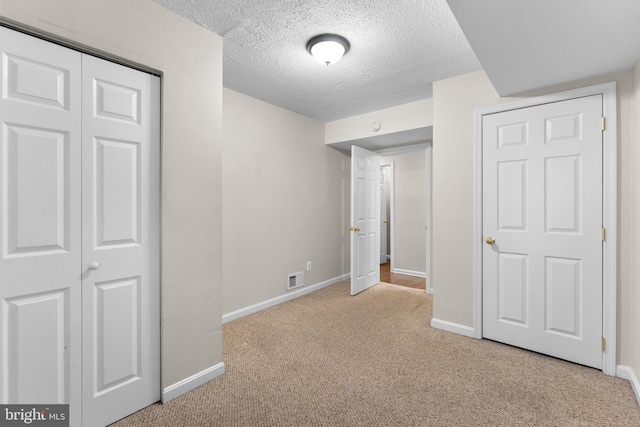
(603, 234)
(603, 123)
(603, 344)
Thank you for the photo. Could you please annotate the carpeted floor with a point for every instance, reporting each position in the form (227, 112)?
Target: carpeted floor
(329, 359)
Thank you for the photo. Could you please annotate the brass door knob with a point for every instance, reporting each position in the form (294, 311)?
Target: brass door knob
(386, 221)
(350, 228)
(490, 240)
(356, 229)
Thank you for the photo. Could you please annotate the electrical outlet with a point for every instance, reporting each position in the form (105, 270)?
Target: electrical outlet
(308, 265)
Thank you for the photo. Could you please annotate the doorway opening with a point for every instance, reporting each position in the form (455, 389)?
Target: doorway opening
(401, 279)
(405, 215)
(387, 218)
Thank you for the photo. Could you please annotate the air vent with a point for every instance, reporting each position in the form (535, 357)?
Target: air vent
(295, 280)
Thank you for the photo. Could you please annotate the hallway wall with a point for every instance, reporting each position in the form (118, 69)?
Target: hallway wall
(410, 184)
(285, 201)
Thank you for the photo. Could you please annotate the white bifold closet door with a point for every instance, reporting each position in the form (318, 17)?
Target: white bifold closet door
(79, 209)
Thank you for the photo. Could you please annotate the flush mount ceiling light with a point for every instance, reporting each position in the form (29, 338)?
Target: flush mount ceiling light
(328, 48)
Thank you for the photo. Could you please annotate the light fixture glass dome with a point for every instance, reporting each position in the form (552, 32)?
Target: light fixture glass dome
(328, 48)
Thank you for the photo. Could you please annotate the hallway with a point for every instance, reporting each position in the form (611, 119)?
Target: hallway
(401, 279)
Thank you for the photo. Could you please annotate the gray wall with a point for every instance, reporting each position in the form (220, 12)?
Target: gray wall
(410, 191)
(285, 201)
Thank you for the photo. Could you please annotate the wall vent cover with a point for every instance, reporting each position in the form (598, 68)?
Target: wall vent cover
(295, 280)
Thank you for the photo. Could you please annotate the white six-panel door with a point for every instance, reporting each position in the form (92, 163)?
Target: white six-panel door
(40, 208)
(365, 219)
(40, 212)
(120, 229)
(79, 271)
(542, 222)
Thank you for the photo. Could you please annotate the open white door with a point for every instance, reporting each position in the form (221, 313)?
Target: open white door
(365, 219)
(542, 224)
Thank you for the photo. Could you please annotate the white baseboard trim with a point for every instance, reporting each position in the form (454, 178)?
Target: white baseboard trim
(627, 373)
(195, 380)
(453, 327)
(226, 318)
(410, 272)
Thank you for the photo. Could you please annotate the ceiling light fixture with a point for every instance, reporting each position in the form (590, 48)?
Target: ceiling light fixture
(328, 48)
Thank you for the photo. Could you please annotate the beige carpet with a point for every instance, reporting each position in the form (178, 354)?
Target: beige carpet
(328, 359)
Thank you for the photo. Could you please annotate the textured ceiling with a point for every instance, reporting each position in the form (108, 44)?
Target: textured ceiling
(397, 49)
(525, 44)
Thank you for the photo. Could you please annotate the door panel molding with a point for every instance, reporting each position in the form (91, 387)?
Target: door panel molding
(608, 92)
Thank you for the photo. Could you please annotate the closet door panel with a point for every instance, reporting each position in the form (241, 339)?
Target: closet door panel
(117, 193)
(120, 241)
(40, 192)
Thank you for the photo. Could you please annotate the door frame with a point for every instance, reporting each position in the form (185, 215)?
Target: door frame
(429, 225)
(390, 165)
(609, 212)
(391, 218)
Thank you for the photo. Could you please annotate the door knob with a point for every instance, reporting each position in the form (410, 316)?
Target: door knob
(94, 266)
(386, 221)
(350, 228)
(356, 229)
(490, 240)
